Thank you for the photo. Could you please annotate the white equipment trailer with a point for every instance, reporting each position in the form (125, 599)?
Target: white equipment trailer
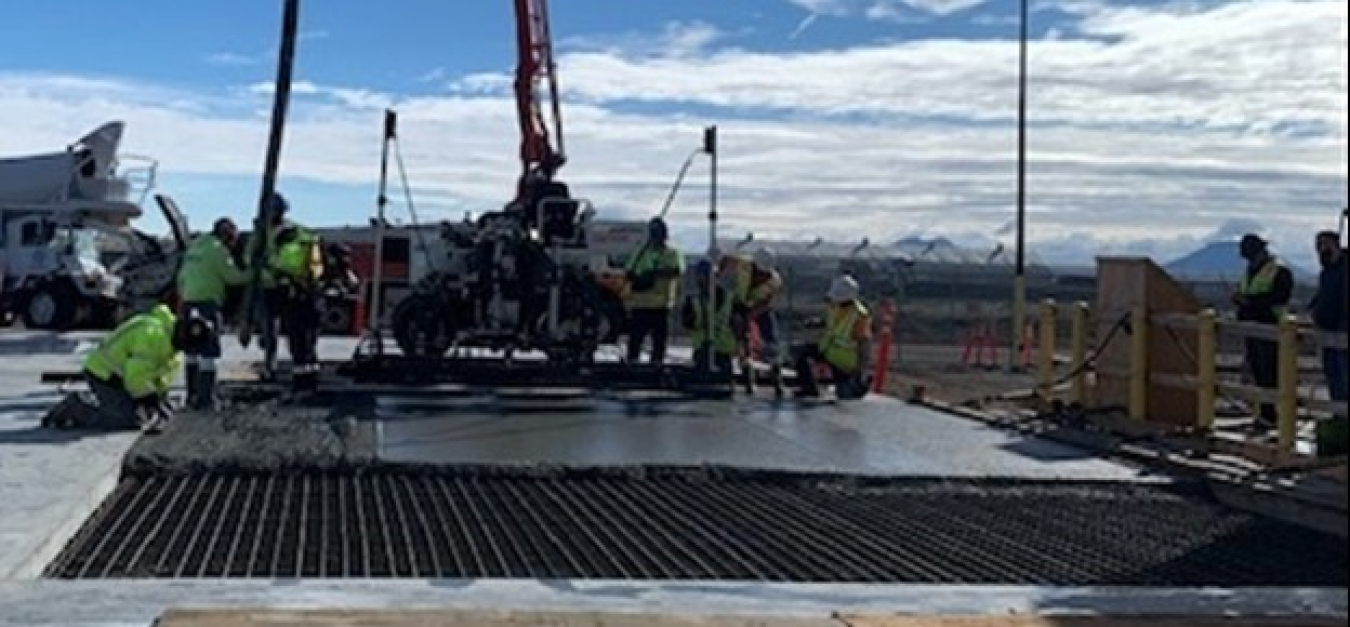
(68, 255)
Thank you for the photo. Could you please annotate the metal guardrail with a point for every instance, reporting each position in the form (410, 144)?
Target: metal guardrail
(1291, 336)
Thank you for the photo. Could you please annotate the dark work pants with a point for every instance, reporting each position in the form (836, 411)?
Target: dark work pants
(202, 355)
(644, 322)
(1262, 360)
(300, 322)
(116, 409)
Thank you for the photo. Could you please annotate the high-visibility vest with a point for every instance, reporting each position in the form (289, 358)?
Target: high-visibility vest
(141, 352)
(837, 343)
(300, 259)
(1262, 282)
(663, 295)
(723, 338)
(750, 293)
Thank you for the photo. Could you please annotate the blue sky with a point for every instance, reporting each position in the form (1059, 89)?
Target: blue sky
(1156, 125)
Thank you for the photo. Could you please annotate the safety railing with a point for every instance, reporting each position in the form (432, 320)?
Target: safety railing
(1290, 337)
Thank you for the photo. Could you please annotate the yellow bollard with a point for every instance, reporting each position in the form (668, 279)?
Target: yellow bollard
(1207, 346)
(1139, 364)
(1045, 353)
(1079, 345)
(1286, 409)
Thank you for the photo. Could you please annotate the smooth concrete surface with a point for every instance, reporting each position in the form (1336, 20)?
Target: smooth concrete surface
(877, 435)
(137, 603)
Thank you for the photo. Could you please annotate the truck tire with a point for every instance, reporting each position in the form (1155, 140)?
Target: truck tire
(336, 316)
(51, 307)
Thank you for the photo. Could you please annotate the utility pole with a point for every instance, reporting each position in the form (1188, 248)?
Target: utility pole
(1020, 277)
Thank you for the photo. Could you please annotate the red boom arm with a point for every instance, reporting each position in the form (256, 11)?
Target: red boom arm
(534, 49)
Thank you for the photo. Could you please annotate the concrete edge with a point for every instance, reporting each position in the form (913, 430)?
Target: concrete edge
(139, 602)
(49, 547)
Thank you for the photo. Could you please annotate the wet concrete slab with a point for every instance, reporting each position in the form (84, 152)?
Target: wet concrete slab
(880, 436)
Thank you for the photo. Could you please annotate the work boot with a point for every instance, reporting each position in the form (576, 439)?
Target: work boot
(193, 379)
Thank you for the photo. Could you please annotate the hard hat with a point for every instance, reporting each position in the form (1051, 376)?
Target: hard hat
(842, 289)
(765, 258)
(657, 230)
(1251, 244)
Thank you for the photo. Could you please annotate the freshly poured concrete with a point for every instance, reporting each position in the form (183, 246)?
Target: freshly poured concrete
(49, 482)
(875, 436)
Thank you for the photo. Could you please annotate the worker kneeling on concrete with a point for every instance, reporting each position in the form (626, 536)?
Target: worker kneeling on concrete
(208, 273)
(844, 346)
(714, 344)
(129, 375)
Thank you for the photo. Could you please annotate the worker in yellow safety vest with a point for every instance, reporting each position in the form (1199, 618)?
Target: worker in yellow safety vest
(129, 375)
(207, 275)
(844, 345)
(295, 267)
(1262, 297)
(654, 278)
(714, 342)
(756, 284)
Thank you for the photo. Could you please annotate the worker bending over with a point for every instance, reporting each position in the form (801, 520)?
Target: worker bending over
(714, 343)
(844, 345)
(296, 268)
(654, 277)
(129, 375)
(756, 283)
(207, 275)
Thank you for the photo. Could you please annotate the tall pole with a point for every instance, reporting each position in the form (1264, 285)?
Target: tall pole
(1020, 277)
(290, 20)
(710, 147)
(381, 202)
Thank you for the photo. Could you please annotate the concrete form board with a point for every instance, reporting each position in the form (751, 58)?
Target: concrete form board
(137, 603)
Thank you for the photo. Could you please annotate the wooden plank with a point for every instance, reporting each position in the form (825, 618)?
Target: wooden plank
(1082, 621)
(465, 618)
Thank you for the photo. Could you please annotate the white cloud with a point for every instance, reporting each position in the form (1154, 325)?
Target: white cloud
(1153, 128)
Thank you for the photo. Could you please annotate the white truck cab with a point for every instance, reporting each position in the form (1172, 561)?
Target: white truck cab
(66, 242)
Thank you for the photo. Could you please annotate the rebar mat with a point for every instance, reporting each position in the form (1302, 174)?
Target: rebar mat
(671, 526)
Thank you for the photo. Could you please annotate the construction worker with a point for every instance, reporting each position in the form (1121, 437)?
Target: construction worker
(1262, 297)
(844, 345)
(654, 276)
(129, 375)
(715, 343)
(296, 267)
(207, 275)
(756, 283)
(1329, 315)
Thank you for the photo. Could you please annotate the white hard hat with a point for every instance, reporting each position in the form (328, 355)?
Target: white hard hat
(842, 289)
(764, 257)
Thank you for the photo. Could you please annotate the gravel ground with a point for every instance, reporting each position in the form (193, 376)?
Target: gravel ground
(264, 432)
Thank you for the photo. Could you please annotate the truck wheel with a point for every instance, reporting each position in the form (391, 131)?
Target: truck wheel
(51, 308)
(336, 318)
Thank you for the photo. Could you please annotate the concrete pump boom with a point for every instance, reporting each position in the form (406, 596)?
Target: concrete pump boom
(540, 158)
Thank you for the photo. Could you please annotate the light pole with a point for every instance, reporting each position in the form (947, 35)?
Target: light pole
(1019, 273)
